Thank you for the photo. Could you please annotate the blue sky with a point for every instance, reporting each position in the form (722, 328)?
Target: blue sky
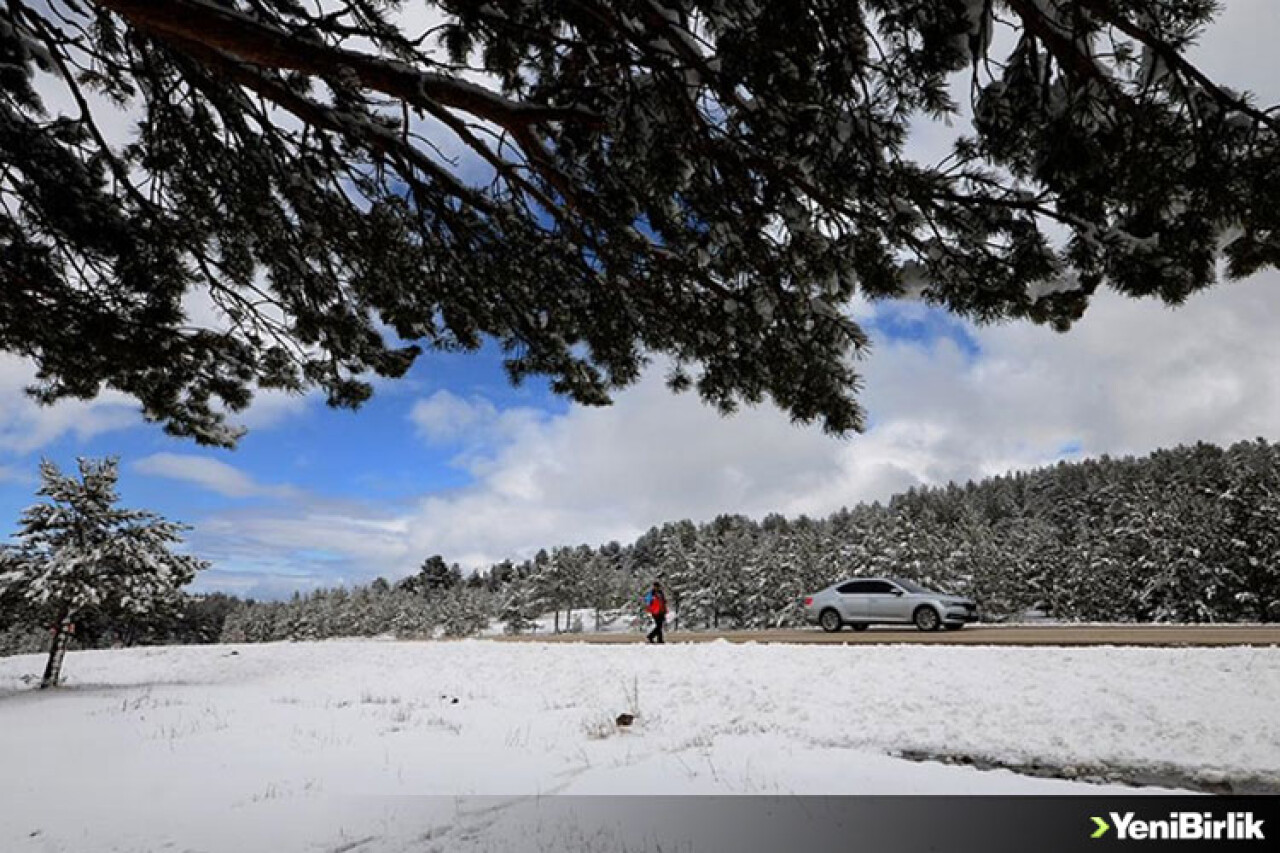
(375, 457)
(373, 453)
(896, 323)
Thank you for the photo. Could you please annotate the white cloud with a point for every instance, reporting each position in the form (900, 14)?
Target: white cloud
(26, 426)
(446, 418)
(1237, 48)
(333, 532)
(210, 474)
(272, 408)
(592, 475)
(1130, 377)
(308, 544)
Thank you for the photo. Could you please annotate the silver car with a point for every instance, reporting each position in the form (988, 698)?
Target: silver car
(859, 602)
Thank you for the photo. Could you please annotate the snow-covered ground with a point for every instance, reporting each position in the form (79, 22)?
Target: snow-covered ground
(313, 746)
(579, 621)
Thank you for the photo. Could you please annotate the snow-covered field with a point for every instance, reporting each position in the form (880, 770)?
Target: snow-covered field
(314, 746)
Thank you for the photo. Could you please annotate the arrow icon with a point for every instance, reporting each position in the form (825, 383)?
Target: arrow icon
(1103, 826)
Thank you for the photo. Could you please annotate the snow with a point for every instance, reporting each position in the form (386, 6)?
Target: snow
(1065, 282)
(316, 745)
(612, 622)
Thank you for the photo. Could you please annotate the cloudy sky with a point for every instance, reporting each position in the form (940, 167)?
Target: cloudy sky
(453, 461)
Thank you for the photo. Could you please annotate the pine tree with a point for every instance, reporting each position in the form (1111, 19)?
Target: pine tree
(464, 611)
(235, 628)
(708, 180)
(435, 575)
(518, 606)
(973, 548)
(410, 616)
(78, 552)
(1251, 550)
(672, 549)
(601, 589)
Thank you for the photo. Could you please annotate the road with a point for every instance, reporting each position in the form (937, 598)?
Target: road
(973, 635)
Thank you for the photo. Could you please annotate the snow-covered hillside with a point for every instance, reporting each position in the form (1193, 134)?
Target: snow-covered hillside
(295, 746)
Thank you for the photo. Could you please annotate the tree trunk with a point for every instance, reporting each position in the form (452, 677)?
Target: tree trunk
(57, 651)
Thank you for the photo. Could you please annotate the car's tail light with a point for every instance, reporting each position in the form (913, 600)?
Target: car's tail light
(808, 601)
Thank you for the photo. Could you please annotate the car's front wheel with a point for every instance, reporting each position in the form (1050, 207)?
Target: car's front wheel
(926, 619)
(830, 621)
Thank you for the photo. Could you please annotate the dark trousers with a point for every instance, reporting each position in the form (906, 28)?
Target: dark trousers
(655, 636)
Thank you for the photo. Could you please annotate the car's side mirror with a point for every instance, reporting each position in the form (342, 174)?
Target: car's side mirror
(897, 592)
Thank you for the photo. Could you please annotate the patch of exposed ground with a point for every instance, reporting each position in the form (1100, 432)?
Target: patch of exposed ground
(1137, 776)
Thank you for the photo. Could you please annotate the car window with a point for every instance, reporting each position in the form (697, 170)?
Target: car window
(911, 587)
(878, 587)
(853, 588)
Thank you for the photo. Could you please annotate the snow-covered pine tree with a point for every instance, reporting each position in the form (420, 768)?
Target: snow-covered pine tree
(1252, 535)
(777, 577)
(601, 589)
(665, 178)
(12, 607)
(235, 628)
(667, 557)
(872, 547)
(726, 549)
(518, 606)
(338, 614)
(414, 616)
(77, 551)
(972, 549)
(689, 566)
(1169, 533)
(464, 611)
(920, 541)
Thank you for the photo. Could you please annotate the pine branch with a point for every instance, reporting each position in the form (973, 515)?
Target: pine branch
(260, 43)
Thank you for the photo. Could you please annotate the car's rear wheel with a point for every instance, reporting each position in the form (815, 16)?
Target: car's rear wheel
(859, 626)
(926, 618)
(830, 621)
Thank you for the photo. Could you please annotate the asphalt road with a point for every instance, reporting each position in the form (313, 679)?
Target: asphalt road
(972, 635)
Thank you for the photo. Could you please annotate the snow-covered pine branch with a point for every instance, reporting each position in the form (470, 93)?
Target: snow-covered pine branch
(591, 183)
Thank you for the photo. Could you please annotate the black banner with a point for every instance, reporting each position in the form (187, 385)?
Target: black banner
(787, 824)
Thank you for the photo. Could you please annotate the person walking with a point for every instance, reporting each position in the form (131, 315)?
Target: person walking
(656, 604)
